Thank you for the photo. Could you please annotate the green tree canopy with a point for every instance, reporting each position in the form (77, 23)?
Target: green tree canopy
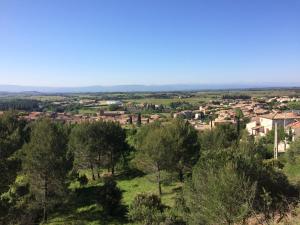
(13, 133)
(44, 164)
(185, 147)
(153, 148)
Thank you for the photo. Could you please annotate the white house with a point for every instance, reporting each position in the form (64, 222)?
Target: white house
(113, 102)
(265, 123)
(295, 128)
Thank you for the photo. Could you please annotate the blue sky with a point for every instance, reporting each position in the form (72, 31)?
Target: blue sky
(108, 42)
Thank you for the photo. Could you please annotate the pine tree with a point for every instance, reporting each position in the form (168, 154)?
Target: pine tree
(45, 164)
(82, 144)
(185, 148)
(153, 148)
(13, 134)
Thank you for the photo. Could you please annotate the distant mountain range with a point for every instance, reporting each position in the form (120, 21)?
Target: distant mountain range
(142, 88)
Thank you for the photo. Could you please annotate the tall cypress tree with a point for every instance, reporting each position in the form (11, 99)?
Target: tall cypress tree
(139, 120)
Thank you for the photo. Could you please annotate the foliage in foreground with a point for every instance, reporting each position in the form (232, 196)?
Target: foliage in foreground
(218, 196)
(226, 182)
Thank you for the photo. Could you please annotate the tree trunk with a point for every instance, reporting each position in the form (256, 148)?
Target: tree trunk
(98, 166)
(113, 169)
(112, 163)
(181, 179)
(92, 170)
(45, 216)
(158, 181)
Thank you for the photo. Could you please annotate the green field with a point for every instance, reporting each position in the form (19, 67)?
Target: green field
(88, 110)
(83, 210)
(167, 101)
(164, 98)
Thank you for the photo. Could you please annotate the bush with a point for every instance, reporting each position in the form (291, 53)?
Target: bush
(146, 209)
(83, 180)
(174, 216)
(218, 196)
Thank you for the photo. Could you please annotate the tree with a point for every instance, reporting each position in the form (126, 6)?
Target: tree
(153, 148)
(218, 196)
(294, 105)
(97, 144)
(45, 163)
(114, 142)
(13, 134)
(130, 119)
(238, 115)
(113, 107)
(222, 136)
(139, 120)
(81, 145)
(281, 135)
(184, 147)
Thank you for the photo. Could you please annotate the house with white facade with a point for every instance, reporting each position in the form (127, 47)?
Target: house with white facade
(295, 129)
(265, 123)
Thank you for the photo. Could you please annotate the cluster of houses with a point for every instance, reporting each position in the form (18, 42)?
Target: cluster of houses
(115, 116)
(261, 117)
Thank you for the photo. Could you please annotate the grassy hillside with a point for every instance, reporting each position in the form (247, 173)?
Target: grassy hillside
(82, 209)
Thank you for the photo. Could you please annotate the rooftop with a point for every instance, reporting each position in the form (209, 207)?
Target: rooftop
(281, 116)
(294, 125)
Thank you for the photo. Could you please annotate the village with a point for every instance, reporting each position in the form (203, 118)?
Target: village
(149, 112)
(257, 114)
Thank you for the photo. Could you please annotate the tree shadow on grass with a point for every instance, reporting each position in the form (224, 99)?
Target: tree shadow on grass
(129, 174)
(85, 205)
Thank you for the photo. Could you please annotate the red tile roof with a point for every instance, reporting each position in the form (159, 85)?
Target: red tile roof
(294, 125)
(281, 116)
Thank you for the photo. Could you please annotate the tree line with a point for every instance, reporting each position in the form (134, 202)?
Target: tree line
(19, 104)
(234, 97)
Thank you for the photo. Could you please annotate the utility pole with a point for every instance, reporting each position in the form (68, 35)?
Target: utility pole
(275, 142)
(284, 128)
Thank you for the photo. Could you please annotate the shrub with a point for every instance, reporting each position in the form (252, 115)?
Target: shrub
(218, 196)
(83, 180)
(146, 209)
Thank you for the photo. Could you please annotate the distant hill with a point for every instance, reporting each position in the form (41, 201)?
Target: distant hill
(33, 90)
